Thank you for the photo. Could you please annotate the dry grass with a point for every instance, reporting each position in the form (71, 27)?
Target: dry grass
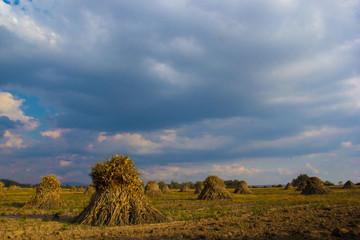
(301, 186)
(119, 197)
(14, 188)
(184, 188)
(89, 190)
(349, 185)
(165, 189)
(199, 188)
(47, 194)
(214, 188)
(267, 213)
(314, 186)
(152, 189)
(242, 188)
(2, 191)
(289, 186)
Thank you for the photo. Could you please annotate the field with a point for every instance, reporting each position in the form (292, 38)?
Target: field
(268, 213)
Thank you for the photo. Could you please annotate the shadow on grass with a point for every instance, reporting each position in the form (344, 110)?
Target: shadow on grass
(14, 204)
(17, 205)
(55, 217)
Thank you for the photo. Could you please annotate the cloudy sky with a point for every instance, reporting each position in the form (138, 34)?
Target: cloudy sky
(255, 90)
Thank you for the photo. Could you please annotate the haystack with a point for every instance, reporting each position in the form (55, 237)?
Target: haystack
(89, 190)
(301, 186)
(314, 186)
(47, 194)
(2, 191)
(242, 188)
(349, 185)
(184, 188)
(73, 189)
(165, 189)
(81, 189)
(14, 188)
(214, 188)
(199, 188)
(288, 186)
(119, 198)
(152, 189)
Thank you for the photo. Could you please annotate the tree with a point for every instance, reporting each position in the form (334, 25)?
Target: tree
(328, 183)
(174, 185)
(301, 178)
(341, 183)
(189, 184)
(161, 184)
(231, 183)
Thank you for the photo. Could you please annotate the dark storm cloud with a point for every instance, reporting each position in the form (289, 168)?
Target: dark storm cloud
(255, 79)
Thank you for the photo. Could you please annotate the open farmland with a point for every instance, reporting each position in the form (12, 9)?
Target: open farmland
(267, 213)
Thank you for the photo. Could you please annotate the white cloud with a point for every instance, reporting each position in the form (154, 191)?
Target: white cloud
(347, 144)
(156, 142)
(135, 142)
(353, 91)
(313, 169)
(10, 107)
(164, 71)
(65, 163)
(12, 141)
(54, 133)
(234, 169)
(25, 27)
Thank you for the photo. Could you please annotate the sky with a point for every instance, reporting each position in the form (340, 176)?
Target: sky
(260, 91)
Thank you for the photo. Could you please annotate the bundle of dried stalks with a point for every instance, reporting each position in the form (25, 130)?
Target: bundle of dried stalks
(2, 191)
(81, 189)
(119, 198)
(199, 188)
(73, 189)
(152, 189)
(47, 194)
(314, 186)
(89, 190)
(242, 188)
(288, 186)
(301, 186)
(165, 189)
(184, 188)
(349, 185)
(14, 188)
(214, 188)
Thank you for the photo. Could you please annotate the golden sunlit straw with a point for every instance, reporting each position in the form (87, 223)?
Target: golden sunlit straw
(165, 189)
(184, 188)
(214, 188)
(47, 194)
(288, 186)
(199, 187)
(314, 186)
(242, 188)
(2, 191)
(119, 197)
(152, 189)
(349, 185)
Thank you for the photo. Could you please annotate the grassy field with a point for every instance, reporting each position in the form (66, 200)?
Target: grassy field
(268, 213)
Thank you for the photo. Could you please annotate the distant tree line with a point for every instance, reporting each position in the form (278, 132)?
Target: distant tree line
(176, 185)
(8, 183)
